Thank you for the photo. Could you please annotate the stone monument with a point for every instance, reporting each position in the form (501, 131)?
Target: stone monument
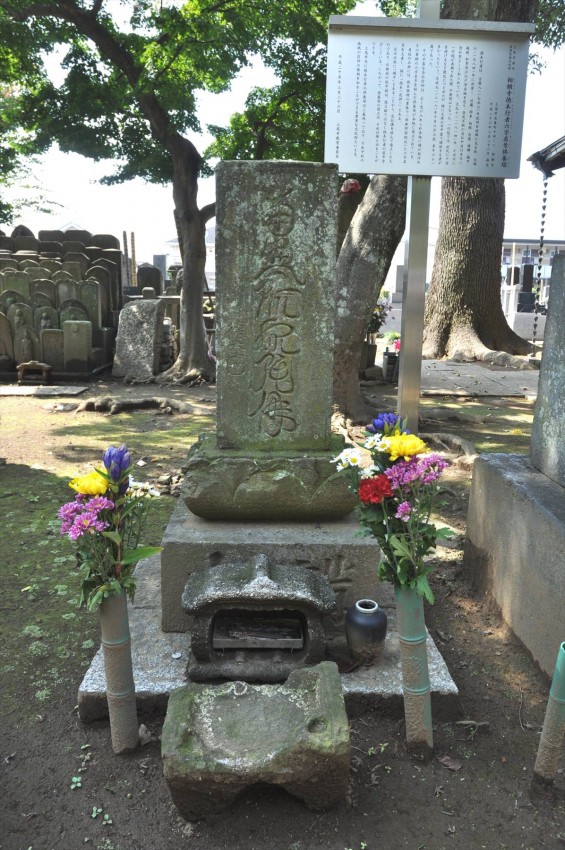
(264, 483)
(270, 457)
(516, 525)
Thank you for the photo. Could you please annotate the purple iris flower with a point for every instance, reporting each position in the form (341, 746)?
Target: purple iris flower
(118, 462)
(385, 423)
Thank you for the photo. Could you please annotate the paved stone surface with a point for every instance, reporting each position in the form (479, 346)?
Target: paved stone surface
(445, 377)
(44, 392)
(160, 660)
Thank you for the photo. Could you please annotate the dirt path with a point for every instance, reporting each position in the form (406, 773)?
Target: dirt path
(63, 789)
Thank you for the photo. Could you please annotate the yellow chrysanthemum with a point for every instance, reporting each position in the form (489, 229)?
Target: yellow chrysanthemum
(91, 484)
(403, 445)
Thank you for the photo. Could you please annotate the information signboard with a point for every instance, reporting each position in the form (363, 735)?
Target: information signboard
(423, 97)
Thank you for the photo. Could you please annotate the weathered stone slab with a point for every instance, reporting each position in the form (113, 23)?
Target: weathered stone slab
(515, 549)
(9, 297)
(72, 310)
(19, 315)
(104, 240)
(89, 295)
(51, 342)
(43, 292)
(547, 448)
(138, 344)
(77, 235)
(275, 261)
(45, 318)
(77, 345)
(18, 281)
(333, 549)
(50, 265)
(220, 740)
(76, 264)
(148, 275)
(6, 343)
(26, 344)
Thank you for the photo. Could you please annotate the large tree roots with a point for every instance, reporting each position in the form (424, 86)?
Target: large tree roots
(112, 405)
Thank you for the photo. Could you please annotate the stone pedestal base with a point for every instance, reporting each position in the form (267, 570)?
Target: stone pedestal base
(515, 549)
(222, 739)
(334, 549)
(229, 484)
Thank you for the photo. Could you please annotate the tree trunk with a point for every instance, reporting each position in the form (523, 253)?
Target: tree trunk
(193, 363)
(363, 264)
(464, 318)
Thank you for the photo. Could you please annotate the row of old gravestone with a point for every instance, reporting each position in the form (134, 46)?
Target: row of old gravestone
(60, 296)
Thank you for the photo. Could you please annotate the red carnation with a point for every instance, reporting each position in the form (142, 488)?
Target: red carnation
(373, 490)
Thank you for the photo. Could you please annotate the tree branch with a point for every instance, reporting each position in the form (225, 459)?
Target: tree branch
(208, 212)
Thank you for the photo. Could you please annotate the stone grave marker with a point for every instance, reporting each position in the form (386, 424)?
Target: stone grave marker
(26, 243)
(150, 276)
(8, 263)
(26, 345)
(71, 247)
(41, 299)
(9, 297)
(20, 315)
(17, 280)
(83, 236)
(6, 344)
(26, 265)
(67, 288)
(35, 273)
(45, 318)
(138, 343)
(48, 287)
(77, 345)
(76, 265)
(275, 260)
(51, 345)
(49, 247)
(50, 265)
(51, 235)
(62, 275)
(89, 292)
(104, 240)
(7, 243)
(72, 310)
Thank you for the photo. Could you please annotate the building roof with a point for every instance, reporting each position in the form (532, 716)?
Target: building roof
(551, 158)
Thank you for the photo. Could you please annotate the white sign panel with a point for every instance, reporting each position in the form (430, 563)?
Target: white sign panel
(419, 97)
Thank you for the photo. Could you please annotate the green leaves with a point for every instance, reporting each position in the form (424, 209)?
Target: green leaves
(132, 556)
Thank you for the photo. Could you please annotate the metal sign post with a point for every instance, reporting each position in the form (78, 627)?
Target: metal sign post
(414, 281)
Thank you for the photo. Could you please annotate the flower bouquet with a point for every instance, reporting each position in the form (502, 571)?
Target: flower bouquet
(105, 520)
(397, 491)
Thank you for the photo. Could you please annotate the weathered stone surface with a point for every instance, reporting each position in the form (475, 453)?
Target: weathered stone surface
(77, 345)
(515, 549)
(52, 348)
(547, 448)
(223, 484)
(333, 549)
(138, 343)
(275, 261)
(257, 588)
(218, 741)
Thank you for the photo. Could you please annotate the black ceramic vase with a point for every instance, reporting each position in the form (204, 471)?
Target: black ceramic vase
(365, 630)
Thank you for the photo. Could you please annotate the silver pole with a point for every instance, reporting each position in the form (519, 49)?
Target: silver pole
(414, 280)
(413, 296)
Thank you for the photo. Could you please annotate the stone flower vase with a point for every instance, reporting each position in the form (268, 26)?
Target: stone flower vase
(118, 670)
(365, 629)
(415, 675)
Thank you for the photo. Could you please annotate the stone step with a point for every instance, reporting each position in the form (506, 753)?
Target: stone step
(160, 660)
